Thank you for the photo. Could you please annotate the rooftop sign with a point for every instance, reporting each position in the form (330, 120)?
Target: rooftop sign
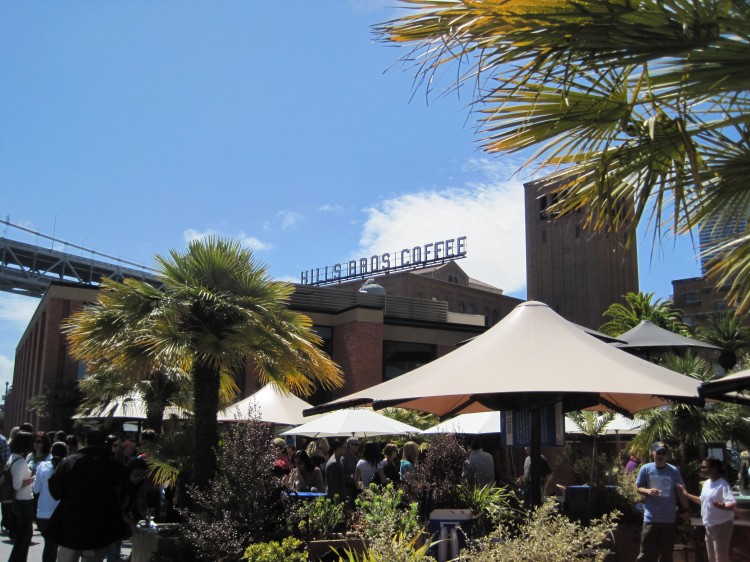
(408, 258)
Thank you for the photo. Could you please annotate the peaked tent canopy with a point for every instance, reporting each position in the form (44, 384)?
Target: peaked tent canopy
(620, 425)
(130, 407)
(533, 355)
(478, 423)
(356, 423)
(649, 335)
(270, 404)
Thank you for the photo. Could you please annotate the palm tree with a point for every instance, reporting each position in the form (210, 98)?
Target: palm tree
(639, 307)
(593, 424)
(216, 313)
(729, 332)
(638, 108)
(687, 428)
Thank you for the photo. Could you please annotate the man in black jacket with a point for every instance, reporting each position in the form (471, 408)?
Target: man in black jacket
(88, 519)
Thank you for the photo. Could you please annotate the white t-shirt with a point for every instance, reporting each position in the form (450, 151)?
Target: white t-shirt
(716, 490)
(367, 471)
(20, 471)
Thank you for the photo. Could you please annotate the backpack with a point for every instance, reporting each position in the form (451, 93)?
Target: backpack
(7, 491)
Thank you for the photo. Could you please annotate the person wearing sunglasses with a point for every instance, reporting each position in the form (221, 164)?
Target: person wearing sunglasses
(660, 485)
(717, 510)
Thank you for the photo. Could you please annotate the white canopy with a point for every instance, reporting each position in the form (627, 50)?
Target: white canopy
(130, 407)
(649, 335)
(470, 424)
(619, 425)
(532, 353)
(271, 405)
(355, 423)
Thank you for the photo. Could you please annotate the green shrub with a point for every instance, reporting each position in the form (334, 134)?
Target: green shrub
(316, 519)
(242, 503)
(386, 549)
(546, 536)
(289, 550)
(382, 515)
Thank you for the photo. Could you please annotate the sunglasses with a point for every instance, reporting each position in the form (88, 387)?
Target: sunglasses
(661, 453)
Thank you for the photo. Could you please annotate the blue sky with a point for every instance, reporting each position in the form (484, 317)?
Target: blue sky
(132, 127)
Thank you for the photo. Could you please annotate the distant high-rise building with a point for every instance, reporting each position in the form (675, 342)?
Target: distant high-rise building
(577, 272)
(713, 233)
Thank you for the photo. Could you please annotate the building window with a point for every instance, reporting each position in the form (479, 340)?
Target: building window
(401, 357)
(487, 317)
(578, 231)
(720, 306)
(461, 307)
(470, 309)
(81, 371)
(544, 236)
(692, 298)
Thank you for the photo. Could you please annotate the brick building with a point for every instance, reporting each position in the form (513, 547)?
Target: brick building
(698, 298)
(42, 361)
(578, 273)
(373, 337)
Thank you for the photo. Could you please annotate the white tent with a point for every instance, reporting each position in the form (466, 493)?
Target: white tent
(270, 405)
(532, 354)
(130, 407)
(355, 423)
(620, 425)
(470, 424)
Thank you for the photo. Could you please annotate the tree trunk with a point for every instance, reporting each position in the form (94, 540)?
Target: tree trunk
(154, 416)
(206, 397)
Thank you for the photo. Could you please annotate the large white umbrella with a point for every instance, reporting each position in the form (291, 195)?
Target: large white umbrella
(470, 424)
(532, 355)
(532, 358)
(352, 422)
(269, 405)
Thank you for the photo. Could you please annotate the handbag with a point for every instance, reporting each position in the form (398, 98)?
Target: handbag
(7, 491)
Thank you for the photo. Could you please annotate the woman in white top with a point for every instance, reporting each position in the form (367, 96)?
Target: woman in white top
(23, 505)
(370, 464)
(47, 504)
(717, 510)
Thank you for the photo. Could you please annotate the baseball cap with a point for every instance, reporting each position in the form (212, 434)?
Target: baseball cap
(659, 446)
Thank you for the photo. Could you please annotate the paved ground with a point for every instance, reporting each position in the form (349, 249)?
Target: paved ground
(37, 544)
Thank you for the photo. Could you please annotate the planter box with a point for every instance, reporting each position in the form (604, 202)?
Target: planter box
(323, 549)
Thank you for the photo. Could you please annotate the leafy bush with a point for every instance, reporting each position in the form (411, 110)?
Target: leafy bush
(316, 519)
(289, 550)
(490, 504)
(546, 536)
(386, 549)
(433, 482)
(242, 502)
(382, 515)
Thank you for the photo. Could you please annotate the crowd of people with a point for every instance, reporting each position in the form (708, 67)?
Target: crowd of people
(341, 467)
(85, 498)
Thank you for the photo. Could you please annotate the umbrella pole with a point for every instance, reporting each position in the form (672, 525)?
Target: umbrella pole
(536, 456)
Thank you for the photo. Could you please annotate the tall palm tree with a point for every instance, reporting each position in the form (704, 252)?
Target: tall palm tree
(639, 307)
(594, 425)
(730, 333)
(636, 108)
(216, 312)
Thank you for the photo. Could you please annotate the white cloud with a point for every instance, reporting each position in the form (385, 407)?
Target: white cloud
(250, 242)
(489, 212)
(17, 309)
(6, 369)
(288, 218)
(331, 208)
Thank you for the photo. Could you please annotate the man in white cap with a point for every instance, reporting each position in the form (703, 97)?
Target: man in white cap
(658, 482)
